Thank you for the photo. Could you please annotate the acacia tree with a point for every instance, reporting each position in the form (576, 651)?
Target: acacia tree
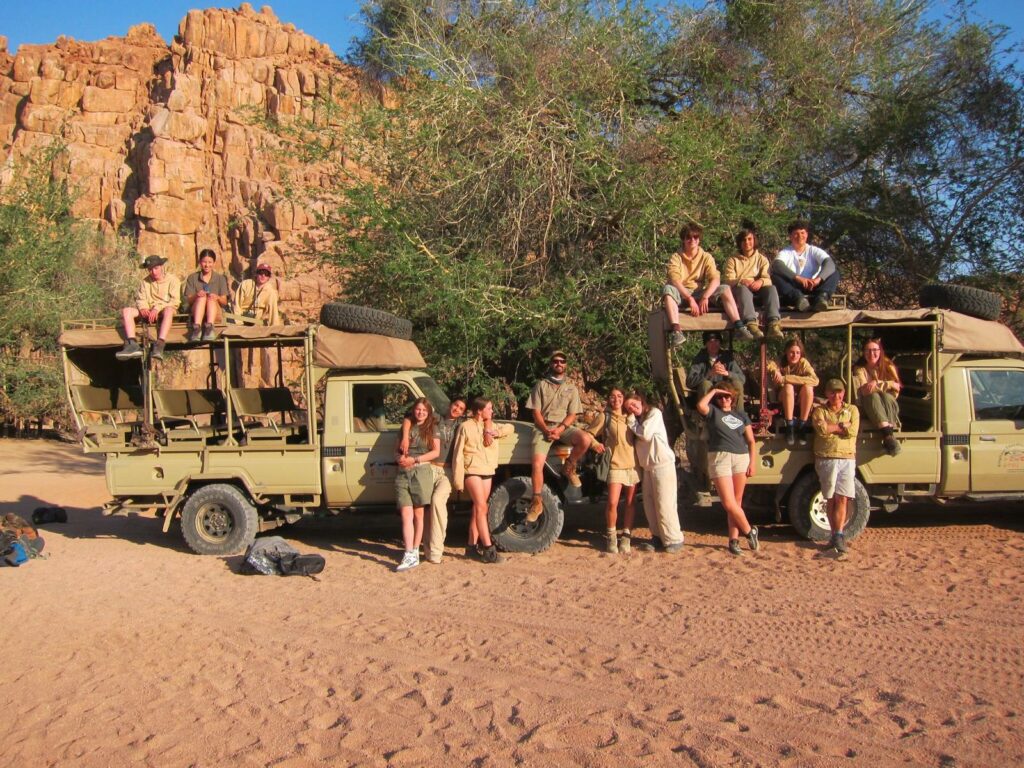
(523, 180)
(54, 267)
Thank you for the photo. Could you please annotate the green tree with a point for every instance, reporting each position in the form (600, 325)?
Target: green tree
(53, 267)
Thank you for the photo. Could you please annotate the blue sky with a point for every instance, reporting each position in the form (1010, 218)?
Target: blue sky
(334, 22)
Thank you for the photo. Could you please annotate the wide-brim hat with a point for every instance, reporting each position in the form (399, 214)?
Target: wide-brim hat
(153, 261)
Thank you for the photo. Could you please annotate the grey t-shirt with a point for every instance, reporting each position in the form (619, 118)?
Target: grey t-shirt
(725, 430)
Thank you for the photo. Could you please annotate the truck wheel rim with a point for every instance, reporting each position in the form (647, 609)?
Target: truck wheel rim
(516, 517)
(214, 522)
(819, 515)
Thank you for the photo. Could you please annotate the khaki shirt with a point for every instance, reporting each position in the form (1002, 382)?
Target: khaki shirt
(261, 301)
(887, 378)
(829, 445)
(470, 456)
(158, 295)
(218, 285)
(555, 401)
(694, 273)
(612, 430)
(752, 267)
(798, 374)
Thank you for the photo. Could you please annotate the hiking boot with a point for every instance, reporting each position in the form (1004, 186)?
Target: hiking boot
(676, 338)
(892, 445)
(611, 543)
(195, 334)
(803, 304)
(752, 540)
(536, 509)
(755, 330)
(820, 304)
(839, 542)
(130, 351)
(410, 560)
(742, 333)
(471, 552)
(775, 330)
(624, 543)
(650, 546)
(569, 468)
(791, 435)
(209, 333)
(671, 549)
(801, 432)
(157, 353)
(490, 555)
(734, 547)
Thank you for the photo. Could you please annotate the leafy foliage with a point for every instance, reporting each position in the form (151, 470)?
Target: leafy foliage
(53, 267)
(523, 180)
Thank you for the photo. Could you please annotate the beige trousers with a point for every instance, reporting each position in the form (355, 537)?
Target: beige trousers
(437, 527)
(661, 503)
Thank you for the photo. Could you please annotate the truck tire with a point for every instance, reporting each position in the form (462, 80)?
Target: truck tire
(218, 520)
(356, 319)
(975, 302)
(506, 516)
(806, 507)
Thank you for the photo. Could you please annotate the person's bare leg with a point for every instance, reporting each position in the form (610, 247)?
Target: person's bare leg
(198, 310)
(806, 401)
(128, 316)
(166, 318)
(786, 400)
(729, 306)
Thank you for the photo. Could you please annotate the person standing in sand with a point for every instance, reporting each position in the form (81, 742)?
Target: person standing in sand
(661, 488)
(414, 482)
(836, 424)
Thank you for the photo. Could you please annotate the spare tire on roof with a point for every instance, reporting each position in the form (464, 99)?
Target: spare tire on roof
(975, 302)
(356, 319)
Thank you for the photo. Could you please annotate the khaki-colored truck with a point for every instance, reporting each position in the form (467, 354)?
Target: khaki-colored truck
(232, 461)
(961, 407)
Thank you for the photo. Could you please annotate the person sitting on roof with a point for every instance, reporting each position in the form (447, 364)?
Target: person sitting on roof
(257, 297)
(157, 298)
(749, 275)
(805, 275)
(206, 294)
(694, 281)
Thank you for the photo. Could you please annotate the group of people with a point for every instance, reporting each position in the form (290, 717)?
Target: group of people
(802, 276)
(205, 296)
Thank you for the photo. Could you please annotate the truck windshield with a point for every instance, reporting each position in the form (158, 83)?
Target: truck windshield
(433, 392)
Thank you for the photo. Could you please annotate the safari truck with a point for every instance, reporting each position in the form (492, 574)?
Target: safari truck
(232, 461)
(961, 410)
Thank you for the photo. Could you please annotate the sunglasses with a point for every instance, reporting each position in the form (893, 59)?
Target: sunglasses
(558, 361)
(266, 272)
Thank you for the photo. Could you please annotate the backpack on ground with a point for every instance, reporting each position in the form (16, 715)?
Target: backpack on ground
(273, 556)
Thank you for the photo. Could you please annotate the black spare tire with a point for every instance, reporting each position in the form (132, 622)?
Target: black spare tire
(357, 319)
(975, 302)
(806, 507)
(506, 516)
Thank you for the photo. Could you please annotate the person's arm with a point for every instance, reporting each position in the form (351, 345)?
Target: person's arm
(735, 372)
(821, 426)
(699, 370)
(893, 385)
(748, 435)
(862, 384)
(273, 316)
(828, 266)
(402, 449)
(805, 376)
(675, 278)
(710, 273)
(704, 404)
(854, 429)
(764, 270)
(190, 291)
(459, 458)
(223, 294)
(731, 273)
(429, 456)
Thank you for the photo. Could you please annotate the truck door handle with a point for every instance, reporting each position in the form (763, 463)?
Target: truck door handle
(987, 439)
(336, 467)
(362, 450)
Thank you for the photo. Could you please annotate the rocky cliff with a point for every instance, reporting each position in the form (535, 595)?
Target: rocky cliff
(162, 142)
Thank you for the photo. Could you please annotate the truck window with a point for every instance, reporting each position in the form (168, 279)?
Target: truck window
(997, 395)
(380, 407)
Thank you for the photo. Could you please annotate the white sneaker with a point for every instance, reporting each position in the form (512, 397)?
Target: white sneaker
(410, 560)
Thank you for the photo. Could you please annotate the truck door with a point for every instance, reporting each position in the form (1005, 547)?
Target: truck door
(997, 429)
(376, 414)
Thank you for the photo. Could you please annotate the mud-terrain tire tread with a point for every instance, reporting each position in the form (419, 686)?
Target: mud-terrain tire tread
(976, 302)
(505, 511)
(244, 519)
(356, 319)
(798, 506)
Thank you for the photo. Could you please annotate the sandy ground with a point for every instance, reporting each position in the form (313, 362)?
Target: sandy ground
(122, 648)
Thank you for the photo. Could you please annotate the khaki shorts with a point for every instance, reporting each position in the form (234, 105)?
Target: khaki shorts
(836, 477)
(673, 292)
(626, 477)
(541, 445)
(414, 486)
(722, 464)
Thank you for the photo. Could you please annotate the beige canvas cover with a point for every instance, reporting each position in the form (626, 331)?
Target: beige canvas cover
(338, 349)
(78, 338)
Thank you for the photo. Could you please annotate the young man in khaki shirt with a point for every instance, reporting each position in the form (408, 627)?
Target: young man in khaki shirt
(157, 298)
(835, 456)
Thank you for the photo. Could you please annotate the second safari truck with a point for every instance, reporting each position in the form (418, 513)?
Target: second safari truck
(231, 461)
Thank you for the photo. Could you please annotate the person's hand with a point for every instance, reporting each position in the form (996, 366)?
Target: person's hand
(871, 386)
(755, 285)
(777, 378)
(598, 447)
(488, 437)
(152, 315)
(719, 370)
(704, 304)
(750, 469)
(694, 307)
